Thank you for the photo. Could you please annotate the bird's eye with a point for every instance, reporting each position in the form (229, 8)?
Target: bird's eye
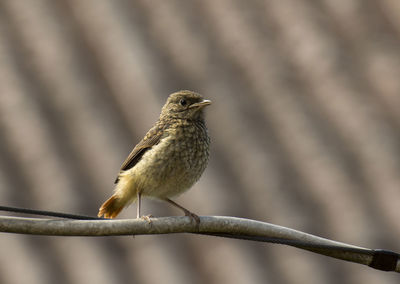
(182, 102)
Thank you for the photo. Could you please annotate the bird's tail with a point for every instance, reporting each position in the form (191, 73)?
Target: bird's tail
(124, 194)
(112, 207)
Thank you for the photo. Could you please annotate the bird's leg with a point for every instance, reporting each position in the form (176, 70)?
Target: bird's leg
(147, 217)
(138, 205)
(187, 212)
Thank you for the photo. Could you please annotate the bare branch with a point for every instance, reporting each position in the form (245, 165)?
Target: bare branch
(209, 225)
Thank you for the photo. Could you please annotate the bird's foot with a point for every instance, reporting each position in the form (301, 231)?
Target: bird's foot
(147, 218)
(193, 216)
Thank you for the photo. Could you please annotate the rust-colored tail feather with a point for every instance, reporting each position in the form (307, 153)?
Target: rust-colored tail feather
(111, 208)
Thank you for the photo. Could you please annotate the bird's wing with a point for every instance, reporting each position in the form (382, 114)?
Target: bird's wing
(150, 139)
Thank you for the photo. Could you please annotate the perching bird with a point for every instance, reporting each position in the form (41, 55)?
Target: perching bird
(169, 159)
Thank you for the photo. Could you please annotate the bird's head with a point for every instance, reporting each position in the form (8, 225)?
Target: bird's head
(184, 105)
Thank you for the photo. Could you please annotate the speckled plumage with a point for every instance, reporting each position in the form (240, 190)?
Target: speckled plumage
(170, 158)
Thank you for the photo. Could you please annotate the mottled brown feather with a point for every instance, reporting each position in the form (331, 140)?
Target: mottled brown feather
(152, 137)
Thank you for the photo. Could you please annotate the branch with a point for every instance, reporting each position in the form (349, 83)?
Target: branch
(229, 227)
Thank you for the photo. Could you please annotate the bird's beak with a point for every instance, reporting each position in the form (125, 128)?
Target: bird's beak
(201, 104)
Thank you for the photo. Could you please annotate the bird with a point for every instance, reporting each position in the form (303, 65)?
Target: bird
(168, 160)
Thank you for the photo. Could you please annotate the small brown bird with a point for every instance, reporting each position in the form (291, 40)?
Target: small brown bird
(169, 159)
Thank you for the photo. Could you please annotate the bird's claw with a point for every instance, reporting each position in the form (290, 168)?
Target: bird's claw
(194, 217)
(147, 218)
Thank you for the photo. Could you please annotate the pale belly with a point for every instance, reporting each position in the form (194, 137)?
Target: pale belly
(167, 170)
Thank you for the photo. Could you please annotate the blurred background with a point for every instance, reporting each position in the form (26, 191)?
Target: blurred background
(304, 123)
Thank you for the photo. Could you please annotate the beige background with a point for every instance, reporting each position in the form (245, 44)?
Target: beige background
(304, 123)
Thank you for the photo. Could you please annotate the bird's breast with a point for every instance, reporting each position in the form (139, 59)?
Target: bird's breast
(188, 145)
(176, 162)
